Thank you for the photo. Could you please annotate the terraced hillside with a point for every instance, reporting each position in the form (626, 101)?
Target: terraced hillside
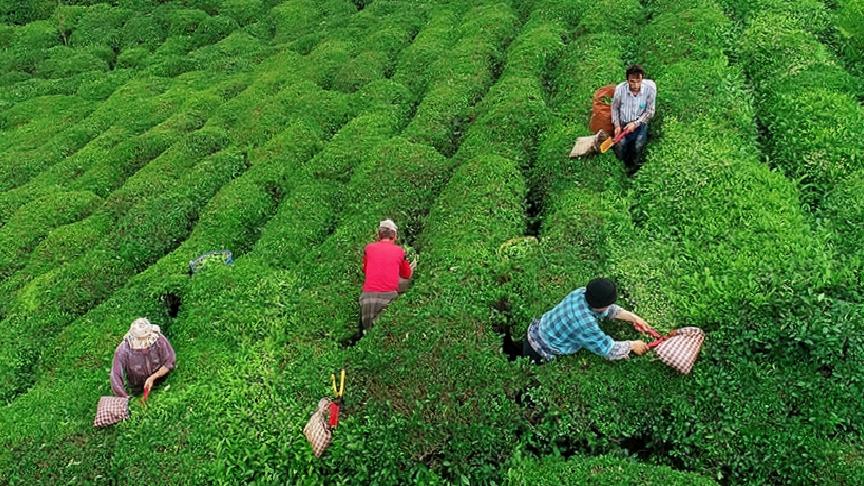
(136, 135)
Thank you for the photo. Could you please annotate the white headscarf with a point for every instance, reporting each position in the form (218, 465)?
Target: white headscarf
(142, 334)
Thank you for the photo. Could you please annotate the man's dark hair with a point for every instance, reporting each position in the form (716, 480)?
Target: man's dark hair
(635, 70)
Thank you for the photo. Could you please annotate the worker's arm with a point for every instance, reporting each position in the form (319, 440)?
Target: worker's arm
(630, 317)
(595, 340)
(148, 384)
(405, 269)
(168, 358)
(649, 108)
(621, 349)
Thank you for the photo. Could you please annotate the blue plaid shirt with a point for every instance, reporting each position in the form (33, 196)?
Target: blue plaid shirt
(572, 325)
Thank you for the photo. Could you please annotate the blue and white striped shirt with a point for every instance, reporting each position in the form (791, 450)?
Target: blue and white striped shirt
(627, 107)
(572, 325)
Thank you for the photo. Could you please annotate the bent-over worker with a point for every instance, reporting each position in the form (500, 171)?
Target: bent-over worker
(573, 324)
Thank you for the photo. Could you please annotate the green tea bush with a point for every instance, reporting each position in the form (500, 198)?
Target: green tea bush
(99, 85)
(510, 118)
(180, 21)
(168, 59)
(759, 240)
(244, 12)
(694, 34)
(461, 79)
(432, 43)
(685, 84)
(20, 13)
(844, 214)
(236, 214)
(62, 62)
(100, 25)
(326, 61)
(32, 222)
(310, 209)
(295, 17)
(806, 144)
(622, 18)
(601, 470)
(375, 62)
(533, 52)
(480, 208)
(29, 123)
(774, 51)
(214, 135)
(134, 57)
(593, 60)
(213, 29)
(142, 31)
(418, 173)
(801, 145)
(29, 45)
(238, 52)
(105, 175)
(328, 110)
(140, 110)
(850, 32)
(811, 15)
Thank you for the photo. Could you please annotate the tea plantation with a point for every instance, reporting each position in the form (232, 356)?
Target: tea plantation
(136, 135)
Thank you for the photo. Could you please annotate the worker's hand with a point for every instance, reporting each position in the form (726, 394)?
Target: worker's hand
(638, 347)
(631, 127)
(639, 324)
(617, 130)
(413, 264)
(148, 385)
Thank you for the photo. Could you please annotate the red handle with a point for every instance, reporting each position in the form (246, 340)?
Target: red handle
(658, 338)
(619, 137)
(146, 394)
(334, 414)
(655, 343)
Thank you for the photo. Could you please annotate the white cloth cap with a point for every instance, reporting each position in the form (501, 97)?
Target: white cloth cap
(389, 224)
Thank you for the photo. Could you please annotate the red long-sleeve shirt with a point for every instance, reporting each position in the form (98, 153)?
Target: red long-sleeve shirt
(383, 263)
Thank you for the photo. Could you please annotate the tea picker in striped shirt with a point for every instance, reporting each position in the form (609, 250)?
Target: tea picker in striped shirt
(632, 108)
(573, 324)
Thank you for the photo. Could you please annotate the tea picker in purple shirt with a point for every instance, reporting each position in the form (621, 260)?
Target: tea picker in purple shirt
(143, 357)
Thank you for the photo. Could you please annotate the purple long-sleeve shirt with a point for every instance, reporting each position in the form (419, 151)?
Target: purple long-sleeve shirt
(136, 365)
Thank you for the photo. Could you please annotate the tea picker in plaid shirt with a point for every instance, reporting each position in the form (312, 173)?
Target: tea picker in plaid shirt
(573, 324)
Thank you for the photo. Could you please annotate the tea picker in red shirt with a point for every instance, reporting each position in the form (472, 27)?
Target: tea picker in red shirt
(387, 274)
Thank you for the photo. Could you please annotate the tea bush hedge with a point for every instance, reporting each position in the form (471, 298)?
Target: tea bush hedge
(849, 21)
(462, 78)
(595, 470)
(136, 135)
(771, 47)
